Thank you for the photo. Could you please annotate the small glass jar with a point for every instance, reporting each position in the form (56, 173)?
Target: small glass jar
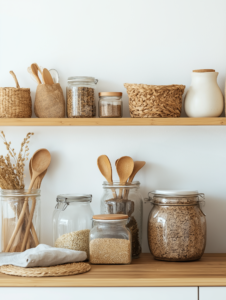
(12, 204)
(72, 221)
(110, 105)
(125, 199)
(110, 240)
(176, 226)
(80, 97)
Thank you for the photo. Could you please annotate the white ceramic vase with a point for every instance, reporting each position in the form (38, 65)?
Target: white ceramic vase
(204, 98)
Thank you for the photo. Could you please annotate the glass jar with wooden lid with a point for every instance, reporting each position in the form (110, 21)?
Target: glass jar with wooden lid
(110, 240)
(110, 105)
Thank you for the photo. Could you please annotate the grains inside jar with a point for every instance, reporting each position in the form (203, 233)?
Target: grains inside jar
(110, 251)
(76, 240)
(81, 102)
(177, 232)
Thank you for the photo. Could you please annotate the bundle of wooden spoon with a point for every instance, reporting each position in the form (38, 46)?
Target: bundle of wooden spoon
(126, 169)
(34, 70)
(38, 166)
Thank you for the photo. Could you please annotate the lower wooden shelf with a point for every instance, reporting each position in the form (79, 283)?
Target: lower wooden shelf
(143, 272)
(113, 122)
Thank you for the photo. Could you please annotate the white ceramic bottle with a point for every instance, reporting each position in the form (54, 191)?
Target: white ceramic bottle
(204, 98)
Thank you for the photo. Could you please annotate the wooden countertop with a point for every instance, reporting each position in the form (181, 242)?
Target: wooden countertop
(143, 272)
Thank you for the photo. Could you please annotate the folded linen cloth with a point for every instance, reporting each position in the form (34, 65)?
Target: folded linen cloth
(42, 256)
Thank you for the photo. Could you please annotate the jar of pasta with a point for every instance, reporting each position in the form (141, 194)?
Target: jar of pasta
(176, 225)
(80, 97)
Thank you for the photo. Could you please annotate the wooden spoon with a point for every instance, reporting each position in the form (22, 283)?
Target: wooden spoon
(104, 166)
(40, 163)
(34, 70)
(38, 181)
(124, 167)
(137, 166)
(46, 76)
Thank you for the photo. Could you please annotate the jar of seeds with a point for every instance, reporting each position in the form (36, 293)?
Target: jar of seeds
(125, 199)
(176, 225)
(72, 221)
(80, 97)
(110, 105)
(110, 240)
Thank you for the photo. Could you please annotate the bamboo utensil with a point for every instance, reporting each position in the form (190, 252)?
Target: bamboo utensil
(46, 76)
(104, 166)
(137, 166)
(40, 163)
(34, 70)
(39, 70)
(124, 167)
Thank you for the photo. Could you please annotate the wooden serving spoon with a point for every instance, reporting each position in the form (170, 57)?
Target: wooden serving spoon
(34, 70)
(124, 167)
(46, 76)
(104, 166)
(137, 166)
(40, 163)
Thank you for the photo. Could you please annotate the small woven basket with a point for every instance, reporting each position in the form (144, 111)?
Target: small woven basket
(155, 101)
(15, 102)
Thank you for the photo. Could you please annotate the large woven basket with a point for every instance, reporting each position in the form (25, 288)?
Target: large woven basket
(15, 102)
(155, 101)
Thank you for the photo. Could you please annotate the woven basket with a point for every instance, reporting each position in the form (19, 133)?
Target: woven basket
(15, 102)
(154, 101)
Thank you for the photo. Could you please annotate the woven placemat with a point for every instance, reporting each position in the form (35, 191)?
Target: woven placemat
(59, 270)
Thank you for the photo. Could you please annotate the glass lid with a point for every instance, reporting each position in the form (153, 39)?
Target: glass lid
(86, 79)
(67, 198)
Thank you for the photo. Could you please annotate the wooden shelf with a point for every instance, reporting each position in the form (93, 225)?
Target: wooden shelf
(114, 122)
(145, 271)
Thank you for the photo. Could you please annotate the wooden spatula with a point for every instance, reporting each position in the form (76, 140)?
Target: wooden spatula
(46, 76)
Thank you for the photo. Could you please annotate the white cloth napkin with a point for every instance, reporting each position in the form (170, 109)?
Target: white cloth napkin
(42, 256)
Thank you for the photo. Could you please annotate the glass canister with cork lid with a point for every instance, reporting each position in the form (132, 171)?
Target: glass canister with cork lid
(176, 225)
(72, 221)
(110, 105)
(80, 97)
(110, 240)
(126, 199)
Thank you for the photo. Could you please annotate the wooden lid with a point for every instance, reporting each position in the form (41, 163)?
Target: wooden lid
(203, 70)
(110, 217)
(110, 94)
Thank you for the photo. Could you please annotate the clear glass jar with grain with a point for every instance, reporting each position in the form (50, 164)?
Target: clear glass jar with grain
(12, 204)
(110, 240)
(126, 199)
(72, 221)
(176, 225)
(81, 97)
(110, 105)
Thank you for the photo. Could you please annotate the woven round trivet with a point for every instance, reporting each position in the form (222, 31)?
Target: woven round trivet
(59, 270)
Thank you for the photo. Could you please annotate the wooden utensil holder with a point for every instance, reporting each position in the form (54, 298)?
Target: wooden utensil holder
(49, 101)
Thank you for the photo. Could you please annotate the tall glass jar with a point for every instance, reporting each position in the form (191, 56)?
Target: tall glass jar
(176, 225)
(13, 235)
(110, 105)
(130, 203)
(110, 240)
(80, 97)
(72, 221)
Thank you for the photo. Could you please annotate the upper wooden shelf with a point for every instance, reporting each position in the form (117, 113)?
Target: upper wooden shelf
(145, 271)
(113, 122)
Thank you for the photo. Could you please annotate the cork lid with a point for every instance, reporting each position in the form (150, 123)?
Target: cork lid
(110, 94)
(203, 70)
(110, 217)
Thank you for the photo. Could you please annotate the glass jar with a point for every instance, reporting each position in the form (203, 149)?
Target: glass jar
(80, 97)
(15, 238)
(72, 221)
(130, 203)
(176, 225)
(110, 240)
(110, 105)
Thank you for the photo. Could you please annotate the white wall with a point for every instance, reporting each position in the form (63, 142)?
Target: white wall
(153, 42)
